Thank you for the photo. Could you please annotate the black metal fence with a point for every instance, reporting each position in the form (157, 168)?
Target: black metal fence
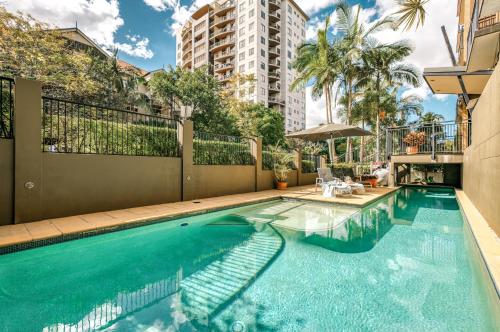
(71, 127)
(438, 138)
(6, 107)
(310, 163)
(215, 149)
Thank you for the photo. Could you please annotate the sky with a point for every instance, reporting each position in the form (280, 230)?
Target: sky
(143, 32)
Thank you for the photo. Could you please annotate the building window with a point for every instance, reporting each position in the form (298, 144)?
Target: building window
(251, 64)
(263, 28)
(242, 31)
(289, 55)
(262, 65)
(242, 19)
(251, 26)
(263, 2)
(289, 43)
(251, 39)
(251, 13)
(242, 43)
(262, 14)
(242, 7)
(242, 56)
(263, 78)
(242, 68)
(263, 91)
(262, 52)
(250, 51)
(289, 66)
(263, 40)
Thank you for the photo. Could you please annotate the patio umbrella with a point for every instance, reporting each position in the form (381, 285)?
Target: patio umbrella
(329, 131)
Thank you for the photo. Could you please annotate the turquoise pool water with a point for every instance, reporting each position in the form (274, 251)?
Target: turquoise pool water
(405, 263)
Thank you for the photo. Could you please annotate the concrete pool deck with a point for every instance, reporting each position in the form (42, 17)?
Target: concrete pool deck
(57, 228)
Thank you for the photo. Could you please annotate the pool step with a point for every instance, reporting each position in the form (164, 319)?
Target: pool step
(206, 290)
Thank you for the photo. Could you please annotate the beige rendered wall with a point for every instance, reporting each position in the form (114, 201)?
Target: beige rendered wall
(75, 184)
(210, 181)
(481, 171)
(6, 181)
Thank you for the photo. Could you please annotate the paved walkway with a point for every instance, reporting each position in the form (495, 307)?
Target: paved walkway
(54, 228)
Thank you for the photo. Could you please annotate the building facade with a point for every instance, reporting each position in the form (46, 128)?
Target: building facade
(249, 37)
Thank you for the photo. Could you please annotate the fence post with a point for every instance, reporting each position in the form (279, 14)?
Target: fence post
(27, 151)
(298, 163)
(322, 162)
(257, 154)
(433, 143)
(188, 187)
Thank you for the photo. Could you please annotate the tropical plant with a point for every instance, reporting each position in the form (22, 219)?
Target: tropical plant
(281, 163)
(431, 117)
(410, 13)
(383, 65)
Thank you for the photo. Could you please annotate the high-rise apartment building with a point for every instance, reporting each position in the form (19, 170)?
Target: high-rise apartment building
(257, 37)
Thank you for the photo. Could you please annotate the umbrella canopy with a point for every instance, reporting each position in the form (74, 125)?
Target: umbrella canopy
(327, 131)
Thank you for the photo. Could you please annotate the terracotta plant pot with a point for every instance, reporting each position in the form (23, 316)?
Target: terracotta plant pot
(281, 185)
(373, 182)
(412, 149)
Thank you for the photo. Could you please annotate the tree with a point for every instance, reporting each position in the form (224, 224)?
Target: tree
(355, 39)
(264, 122)
(410, 13)
(431, 117)
(382, 63)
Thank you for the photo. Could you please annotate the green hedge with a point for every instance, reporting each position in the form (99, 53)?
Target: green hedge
(308, 166)
(221, 153)
(71, 134)
(268, 161)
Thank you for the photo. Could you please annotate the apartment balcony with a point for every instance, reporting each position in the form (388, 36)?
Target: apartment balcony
(224, 32)
(276, 100)
(274, 28)
(443, 142)
(225, 8)
(274, 40)
(225, 77)
(220, 22)
(274, 52)
(274, 16)
(221, 56)
(274, 87)
(456, 80)
(186, 45)
(222, 44)
(274, 75)
(223, 67)
(276, 63)
(483, 38)
(274, 4)
(187, 54)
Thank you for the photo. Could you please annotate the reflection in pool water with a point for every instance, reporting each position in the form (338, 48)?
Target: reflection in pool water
(403, 263)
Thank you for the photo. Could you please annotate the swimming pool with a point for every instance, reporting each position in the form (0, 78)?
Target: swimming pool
(405, 262)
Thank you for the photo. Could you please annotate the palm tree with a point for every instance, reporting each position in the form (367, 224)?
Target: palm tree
(315, 62)
(431, 117)
(411, 12)
(383, 63)
(355, 39)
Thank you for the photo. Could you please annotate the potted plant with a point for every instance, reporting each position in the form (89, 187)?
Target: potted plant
(372, 179)
(413, 139)
(281, 166)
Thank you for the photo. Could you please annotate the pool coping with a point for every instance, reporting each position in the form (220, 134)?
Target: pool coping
(485, 238)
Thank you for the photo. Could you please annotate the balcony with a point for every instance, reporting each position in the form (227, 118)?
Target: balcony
(224, 32)
(222, 21)
(274, 16)
(437, 139)
(483, 38)
(274, 40)
(275, 63)
(222, 44)
(274, 28)
(274, 87)
(276, 101)
(223, 67)
(274, 52)
(225, 77)
(274, 4)
(274, 75)
(225, 7)
(220, 56)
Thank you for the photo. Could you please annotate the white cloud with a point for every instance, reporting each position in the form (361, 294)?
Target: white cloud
(180, 13)
(99, 19)
(314, 6)
(316, 110)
